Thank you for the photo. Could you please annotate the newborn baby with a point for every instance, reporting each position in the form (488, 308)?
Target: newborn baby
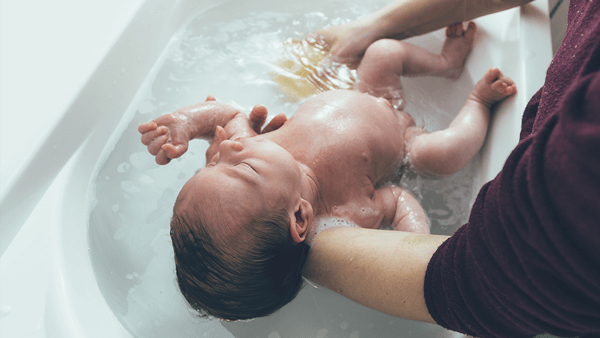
(240, 225)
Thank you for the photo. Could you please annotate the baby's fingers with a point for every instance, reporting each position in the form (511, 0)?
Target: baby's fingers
(156, 144)
(146, 127)
(151, 135)
(162, 158)
(174, 151)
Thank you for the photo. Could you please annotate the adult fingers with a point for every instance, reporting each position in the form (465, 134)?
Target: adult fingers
(258, 116)
(275, 123)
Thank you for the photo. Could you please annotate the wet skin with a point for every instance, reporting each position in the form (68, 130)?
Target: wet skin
(333, 152)
(329, 159)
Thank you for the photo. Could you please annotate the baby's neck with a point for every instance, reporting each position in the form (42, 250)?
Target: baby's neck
(311, 191)
(312, 194)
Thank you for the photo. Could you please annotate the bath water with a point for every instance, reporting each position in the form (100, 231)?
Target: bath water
(231, 52)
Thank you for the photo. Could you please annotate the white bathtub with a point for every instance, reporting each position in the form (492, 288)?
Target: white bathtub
(76, 284)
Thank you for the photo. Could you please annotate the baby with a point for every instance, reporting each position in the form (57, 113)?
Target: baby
(240, 225)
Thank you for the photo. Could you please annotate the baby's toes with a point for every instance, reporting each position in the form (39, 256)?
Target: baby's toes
(469, 34)
(503, 87)
(492, 75)
(455, 30)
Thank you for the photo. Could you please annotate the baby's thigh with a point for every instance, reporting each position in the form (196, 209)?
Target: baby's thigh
(382, 64)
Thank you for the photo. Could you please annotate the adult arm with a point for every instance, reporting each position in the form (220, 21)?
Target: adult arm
(526, 263)
(405, 18)
(360, 263)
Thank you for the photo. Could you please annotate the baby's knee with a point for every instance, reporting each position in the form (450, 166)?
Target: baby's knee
(385, 49)
(382, 63)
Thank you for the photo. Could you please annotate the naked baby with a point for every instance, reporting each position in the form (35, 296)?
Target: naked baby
(240, 225)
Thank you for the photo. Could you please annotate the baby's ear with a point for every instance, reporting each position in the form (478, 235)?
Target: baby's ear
(300, 221)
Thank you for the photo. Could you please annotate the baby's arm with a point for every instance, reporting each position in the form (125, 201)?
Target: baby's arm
(446, 151)
(167, 136)
(403, 210)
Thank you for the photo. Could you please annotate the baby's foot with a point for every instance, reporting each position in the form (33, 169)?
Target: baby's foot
(457, 47)
(493, 87)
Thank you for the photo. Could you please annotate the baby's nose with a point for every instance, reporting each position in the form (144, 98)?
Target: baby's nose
(228, 147)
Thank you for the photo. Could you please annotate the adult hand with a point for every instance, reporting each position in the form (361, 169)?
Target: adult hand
(258, 116)
(347, 42)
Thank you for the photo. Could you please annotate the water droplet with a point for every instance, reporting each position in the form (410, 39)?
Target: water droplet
(344, 325)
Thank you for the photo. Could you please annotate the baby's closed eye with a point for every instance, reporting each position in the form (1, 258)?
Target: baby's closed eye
(249, 166)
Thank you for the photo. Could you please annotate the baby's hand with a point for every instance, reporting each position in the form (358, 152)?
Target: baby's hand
(166, 137)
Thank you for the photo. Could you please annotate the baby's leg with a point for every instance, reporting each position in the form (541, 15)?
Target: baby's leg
(386, 60)
(446, 151)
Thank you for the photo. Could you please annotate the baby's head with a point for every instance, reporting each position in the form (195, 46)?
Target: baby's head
(238, 231)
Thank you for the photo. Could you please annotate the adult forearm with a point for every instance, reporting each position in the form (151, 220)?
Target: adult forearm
(405, 18)
(384, 270)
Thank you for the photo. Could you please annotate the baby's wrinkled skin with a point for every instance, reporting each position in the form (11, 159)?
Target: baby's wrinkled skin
(327, 159)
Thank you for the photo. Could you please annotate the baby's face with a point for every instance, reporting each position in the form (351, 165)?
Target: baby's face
(246, 176)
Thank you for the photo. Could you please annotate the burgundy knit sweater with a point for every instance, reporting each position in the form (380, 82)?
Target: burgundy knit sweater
(528, 261)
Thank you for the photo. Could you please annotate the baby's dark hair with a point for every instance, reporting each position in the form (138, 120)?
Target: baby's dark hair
(249, 275)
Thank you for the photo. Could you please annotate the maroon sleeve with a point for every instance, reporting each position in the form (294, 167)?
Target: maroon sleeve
(528, 261)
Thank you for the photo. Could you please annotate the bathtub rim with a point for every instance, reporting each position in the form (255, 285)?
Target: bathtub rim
(58, 297)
